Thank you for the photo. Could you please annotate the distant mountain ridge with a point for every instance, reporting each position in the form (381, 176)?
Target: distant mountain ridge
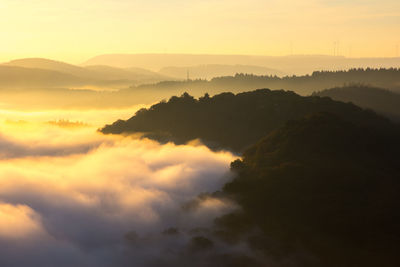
(13, 76)
(80, 76)
(47, 64)
(216, 70)
(139, 86)
(232, 77)
(303, 85)
(299, 65)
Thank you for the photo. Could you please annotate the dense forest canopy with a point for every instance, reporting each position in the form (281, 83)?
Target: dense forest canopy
(233, 121)
(380, 100)
(321, 189)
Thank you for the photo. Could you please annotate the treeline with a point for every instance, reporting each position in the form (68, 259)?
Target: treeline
(303, 85)
(232, 121)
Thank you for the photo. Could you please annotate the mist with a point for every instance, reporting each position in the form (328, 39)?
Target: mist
(95, 200)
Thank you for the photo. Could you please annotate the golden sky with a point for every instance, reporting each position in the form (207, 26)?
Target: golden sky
(76, 30)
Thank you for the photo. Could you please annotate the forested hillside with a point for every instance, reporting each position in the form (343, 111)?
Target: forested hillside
(234, 121)
(322, 191)
(380, 100)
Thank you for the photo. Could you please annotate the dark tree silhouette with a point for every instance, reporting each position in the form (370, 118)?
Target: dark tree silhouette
(380, 100)
(233, 121)
(319, 186)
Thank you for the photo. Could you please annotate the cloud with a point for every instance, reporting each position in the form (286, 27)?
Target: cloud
(77, 198)
(18, 222)
(10, 149)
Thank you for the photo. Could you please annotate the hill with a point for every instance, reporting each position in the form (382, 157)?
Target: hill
(90, 75)
(296, 64)
(212, 71)
(233, 121)
(15, 77)
(322, 191)
(380, 100)
(132, 76)
(47, 64)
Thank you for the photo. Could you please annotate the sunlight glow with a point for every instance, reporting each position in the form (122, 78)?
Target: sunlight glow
(74, 31)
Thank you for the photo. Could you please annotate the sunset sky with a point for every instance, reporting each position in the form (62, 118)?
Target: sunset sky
(76, 30)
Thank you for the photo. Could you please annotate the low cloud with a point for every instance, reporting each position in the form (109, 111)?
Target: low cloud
(10, 149)
(77, 198)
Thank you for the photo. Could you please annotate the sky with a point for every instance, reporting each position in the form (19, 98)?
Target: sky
(75, 30)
